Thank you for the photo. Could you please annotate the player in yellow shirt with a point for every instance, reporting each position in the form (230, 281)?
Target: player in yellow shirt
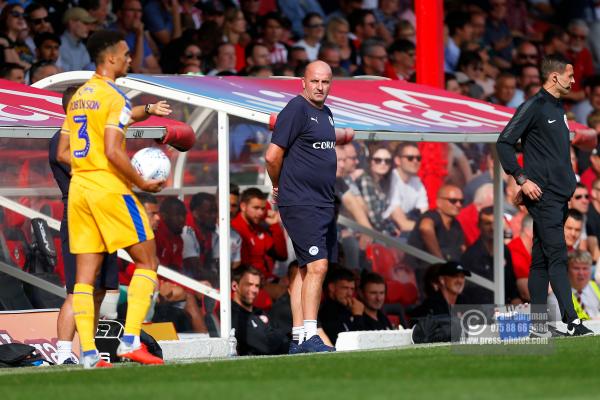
(103, 213)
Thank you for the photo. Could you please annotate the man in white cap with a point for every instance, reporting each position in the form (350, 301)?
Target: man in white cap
(73, 53)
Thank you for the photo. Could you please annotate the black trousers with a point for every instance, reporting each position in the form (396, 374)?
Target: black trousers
(549, 255)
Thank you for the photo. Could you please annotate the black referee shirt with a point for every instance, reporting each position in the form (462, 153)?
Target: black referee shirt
(541, 124)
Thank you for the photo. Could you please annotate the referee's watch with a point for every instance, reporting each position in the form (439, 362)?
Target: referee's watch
(521, 179)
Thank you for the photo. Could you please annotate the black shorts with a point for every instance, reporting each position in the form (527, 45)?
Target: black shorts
(108, 277)
(313, 231)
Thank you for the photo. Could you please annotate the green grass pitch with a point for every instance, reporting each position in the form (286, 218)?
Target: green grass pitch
(568, 371)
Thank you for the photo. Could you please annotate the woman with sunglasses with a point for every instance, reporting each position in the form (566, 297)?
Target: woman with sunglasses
(190, 58)
(374, 186)
(13, 30)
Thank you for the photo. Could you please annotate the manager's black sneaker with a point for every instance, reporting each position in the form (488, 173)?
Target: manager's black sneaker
(576, 328)
(315, 345)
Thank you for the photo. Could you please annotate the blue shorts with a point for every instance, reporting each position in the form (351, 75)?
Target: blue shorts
(313, 231)
(108, 277)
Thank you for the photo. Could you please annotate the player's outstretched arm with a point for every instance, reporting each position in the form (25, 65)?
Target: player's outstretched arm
(113, 138)
(141, 113)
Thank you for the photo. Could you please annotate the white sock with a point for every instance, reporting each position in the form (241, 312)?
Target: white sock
(64, 348)
(298, 334)
(310, 328)
(108, 308)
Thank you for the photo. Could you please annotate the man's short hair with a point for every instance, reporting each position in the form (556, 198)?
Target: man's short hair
(249, 51)
(580, 257)
(401, 46)
(234, 189)
(366, 48)
(457, 20)
(341, 274)
(274, 16)
(327, 46)
(100, 42)
(68, 95)
(33, 7)
(553, 63)
(42, 37)
(238, 273)
(575, 214)
(8, 67)
(371, 277)
(200, 198)
(146, 198)
(486, 211)
(169, 204)
(252, 193)
(357, 17)
(308, 17)
(36, 66)
(404, 145)
(505, 75)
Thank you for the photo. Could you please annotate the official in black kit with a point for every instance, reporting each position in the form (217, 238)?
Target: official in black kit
(547, 183)
(301, 162)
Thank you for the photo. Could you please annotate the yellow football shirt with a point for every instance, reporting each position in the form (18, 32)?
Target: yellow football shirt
(98, 104)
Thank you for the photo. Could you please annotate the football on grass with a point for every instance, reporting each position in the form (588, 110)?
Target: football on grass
(151, 163)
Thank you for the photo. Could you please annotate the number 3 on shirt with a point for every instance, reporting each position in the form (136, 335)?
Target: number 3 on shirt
(82, 134)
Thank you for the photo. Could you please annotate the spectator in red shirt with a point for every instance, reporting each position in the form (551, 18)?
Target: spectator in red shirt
(169, 245)
(469, 216)
(520, 251)
(263, 240)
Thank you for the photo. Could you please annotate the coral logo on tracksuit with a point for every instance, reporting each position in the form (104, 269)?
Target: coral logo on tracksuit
(324, 145)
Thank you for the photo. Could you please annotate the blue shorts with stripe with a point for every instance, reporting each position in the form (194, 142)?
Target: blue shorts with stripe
(105, 222)
(313, 231)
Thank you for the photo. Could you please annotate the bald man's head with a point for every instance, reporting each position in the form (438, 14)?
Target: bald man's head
(316, 82)
(450, 200)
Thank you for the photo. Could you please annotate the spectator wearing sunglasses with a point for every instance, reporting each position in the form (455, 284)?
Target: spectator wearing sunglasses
(437, 231)
(37, 22)
(583, 63)
(314, 31)
(12, 27)
(527, 53)
(374, 186)
(581, 202)
(408, 198)
(129, 22)
(190, 58)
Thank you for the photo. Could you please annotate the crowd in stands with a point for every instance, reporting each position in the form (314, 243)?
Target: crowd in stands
(492, 52)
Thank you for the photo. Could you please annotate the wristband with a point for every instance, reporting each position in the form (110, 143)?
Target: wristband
(521, 179)
(147, 109)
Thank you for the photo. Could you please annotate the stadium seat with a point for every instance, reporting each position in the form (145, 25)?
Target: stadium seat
(383, 260)
(263, 301)
(403, 293)
(16, 240)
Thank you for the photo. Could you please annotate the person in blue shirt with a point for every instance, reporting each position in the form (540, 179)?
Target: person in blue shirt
(301, 162)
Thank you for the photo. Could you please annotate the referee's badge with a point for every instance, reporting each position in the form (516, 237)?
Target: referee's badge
(314, 250)
(330, 120)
